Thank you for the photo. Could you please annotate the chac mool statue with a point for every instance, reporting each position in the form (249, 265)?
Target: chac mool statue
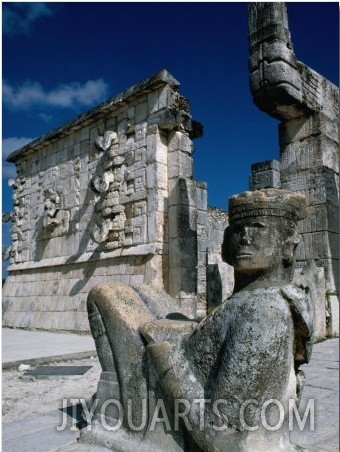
(228, 382)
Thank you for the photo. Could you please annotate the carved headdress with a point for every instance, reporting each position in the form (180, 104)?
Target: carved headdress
(268, 201)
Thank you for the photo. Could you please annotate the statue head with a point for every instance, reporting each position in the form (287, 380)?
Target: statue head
(262, 234)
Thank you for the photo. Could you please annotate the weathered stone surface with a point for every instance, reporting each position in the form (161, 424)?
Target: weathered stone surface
(110, 188)
(333, 310)
(308, 107)
(265, 175)
(246, 353)
(312, 279)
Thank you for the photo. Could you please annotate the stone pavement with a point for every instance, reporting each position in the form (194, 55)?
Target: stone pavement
(23, 346)
(38, 433)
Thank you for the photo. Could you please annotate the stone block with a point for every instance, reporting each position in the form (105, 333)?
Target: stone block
(45, 320)
(180, 164)
(157, 201)
(320, 217)
(156, 150)
(319, 185)
(301, 128)
(202, 217)
(156, 176)
(165, 97)
(159, 99)
(182, 253)
(136, 279)
(182, 280)
(66, 321)
(303, 155)
(161, 176)
(141, 112)
(79, 321)
(330, 154)
(182, 192)
(153, 101)
(84, 325)
(130, 111)
(318, 245)
(8, 319)
(266, 165)
(298, 129)
(27, 318)
(201, 196)
(182, 222)
(85, 133)
(202, 245)
(179, 141)
(55, 321)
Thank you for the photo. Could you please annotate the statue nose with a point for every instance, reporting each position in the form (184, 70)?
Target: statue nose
(245, 237)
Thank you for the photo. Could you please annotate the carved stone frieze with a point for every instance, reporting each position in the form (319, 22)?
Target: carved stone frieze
(120, 184)
(56, 218)
(18, 216)
(77, 172)
(104, 142)
(18, 186)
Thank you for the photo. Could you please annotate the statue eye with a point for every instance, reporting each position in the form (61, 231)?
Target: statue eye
(258, 224)
(237, 228)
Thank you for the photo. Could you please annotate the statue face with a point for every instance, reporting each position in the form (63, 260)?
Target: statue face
(255, 244)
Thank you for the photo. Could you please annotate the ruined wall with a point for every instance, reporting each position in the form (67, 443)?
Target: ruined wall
(108, 197)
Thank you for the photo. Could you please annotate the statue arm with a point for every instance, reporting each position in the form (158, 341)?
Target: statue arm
(166, 351)
(182, 387)
(174, 359)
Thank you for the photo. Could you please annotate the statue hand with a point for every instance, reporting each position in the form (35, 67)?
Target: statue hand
(160, 355)
(165, 330)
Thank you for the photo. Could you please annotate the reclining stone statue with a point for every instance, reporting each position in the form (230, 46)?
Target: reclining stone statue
(224, 384)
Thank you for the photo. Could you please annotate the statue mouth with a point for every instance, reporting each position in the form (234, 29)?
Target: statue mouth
(240, 255)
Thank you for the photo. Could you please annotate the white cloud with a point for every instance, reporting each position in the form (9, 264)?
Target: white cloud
(12, 144)
(18, 17)
(9, 145)
(64, 96)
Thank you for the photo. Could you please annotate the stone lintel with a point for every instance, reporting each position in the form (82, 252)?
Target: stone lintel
(266, 165)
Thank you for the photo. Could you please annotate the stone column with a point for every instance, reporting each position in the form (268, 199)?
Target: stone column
(307, 106)
(182, 222)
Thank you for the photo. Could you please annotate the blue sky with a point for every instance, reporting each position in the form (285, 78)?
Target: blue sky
(60, 59)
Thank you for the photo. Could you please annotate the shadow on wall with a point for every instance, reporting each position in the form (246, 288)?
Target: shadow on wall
(333, 222)
(91, 198)
(183, 256)
(214, 287)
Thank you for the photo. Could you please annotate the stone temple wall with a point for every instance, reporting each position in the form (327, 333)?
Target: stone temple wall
(109, 196)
